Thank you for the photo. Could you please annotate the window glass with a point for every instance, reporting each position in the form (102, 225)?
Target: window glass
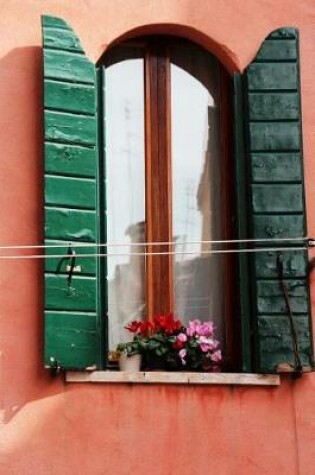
(196, 184)
(125, 189)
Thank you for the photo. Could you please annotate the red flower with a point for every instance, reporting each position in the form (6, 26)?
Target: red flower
(146, 328)
(133, 327)
(178, 344)
(167, 323)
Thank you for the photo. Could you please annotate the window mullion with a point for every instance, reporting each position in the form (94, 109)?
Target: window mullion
(158, 185)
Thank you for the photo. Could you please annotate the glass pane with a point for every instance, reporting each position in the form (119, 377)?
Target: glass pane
(125, 190)
(199, 277)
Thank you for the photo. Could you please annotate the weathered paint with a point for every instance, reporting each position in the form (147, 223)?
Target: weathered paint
(52, 428)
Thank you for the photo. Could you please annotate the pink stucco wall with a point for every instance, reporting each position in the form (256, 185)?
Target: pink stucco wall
(47, 427)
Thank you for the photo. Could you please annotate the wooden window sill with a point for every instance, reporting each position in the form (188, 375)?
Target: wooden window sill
(157, 377)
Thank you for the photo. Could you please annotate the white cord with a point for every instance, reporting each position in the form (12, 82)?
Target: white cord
(170, 253)
(162, 243)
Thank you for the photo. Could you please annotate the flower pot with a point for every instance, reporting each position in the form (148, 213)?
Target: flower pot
(129, 363)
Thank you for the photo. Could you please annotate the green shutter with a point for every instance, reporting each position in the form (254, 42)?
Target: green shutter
(276, 203)
(72, 327)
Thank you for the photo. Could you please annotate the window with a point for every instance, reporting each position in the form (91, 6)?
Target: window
(264, 176)
(167, 175)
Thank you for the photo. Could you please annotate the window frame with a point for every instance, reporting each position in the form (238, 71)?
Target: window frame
(158, 176)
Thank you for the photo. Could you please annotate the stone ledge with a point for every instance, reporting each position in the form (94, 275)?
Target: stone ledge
(157, 377)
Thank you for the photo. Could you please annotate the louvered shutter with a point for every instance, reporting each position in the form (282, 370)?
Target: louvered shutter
(272, 123)
(72, 336)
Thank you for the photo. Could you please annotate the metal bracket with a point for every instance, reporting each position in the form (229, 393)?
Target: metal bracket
(75, 269)
(311, 242)
(55, 368)
(297, 368)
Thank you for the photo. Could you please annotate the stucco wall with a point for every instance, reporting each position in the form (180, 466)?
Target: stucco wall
(47, 427)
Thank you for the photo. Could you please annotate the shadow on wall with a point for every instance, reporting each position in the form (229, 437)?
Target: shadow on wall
(21, 174)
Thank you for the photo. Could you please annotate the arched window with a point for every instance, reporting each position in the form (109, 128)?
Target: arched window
(168, 170)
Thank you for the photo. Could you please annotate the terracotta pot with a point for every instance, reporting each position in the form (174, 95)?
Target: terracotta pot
(129, 363)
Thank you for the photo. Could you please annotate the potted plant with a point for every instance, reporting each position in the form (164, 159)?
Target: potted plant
(166, 343)
(129, 356)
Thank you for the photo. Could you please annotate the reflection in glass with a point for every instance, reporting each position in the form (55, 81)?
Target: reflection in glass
(198, 280)
(125, 182)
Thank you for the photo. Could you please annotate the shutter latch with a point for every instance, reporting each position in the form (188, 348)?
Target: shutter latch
(71, 267)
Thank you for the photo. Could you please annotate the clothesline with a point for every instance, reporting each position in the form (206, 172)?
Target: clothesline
(154, 243)
(145, 254)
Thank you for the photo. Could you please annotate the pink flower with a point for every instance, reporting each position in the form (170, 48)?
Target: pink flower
(197, 328)
(182, 353)
(206, 344)
(193, 327)
(206, 329)
(182, 337)
(216, 344)
(216, 356)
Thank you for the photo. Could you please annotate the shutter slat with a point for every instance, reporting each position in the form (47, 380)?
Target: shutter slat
(263, 106)
(276, 198)
(67, 66)
(80, 296)
(277, 50)
(70, 160)
(293, 265)
(276, 342)
(270, 296)
(277, 166)
(73, 128)
(65, 191)
(283, 226)
(274, 76)
(70, 97)
(273, 136)
(62, 39)
(72, 337)
(70, 225)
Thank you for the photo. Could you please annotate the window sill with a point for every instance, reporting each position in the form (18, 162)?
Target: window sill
(157, 377)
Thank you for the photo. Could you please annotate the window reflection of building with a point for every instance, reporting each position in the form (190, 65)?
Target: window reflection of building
(200, 278)
(127, 287)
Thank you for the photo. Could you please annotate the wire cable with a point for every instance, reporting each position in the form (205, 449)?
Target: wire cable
(166, 253)
(161, 243)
